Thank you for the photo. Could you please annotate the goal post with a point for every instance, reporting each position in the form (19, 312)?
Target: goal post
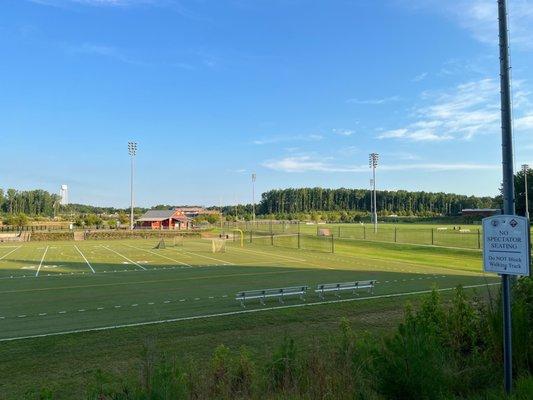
(241, 234)
(218, 245)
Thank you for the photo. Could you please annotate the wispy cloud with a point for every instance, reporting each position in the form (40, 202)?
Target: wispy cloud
(103, 51)
(377, 101)
(95, 3)
(314, 137)
(463, 112)
(309, 164)
(343, 132)
(420, 77)
(480, 18)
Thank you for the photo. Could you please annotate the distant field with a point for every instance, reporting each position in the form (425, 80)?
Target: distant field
(58, 287)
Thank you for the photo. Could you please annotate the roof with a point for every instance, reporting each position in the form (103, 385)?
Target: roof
(161, 215)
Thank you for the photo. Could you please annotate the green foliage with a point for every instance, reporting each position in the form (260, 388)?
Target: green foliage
(400, 202)
(282, 369)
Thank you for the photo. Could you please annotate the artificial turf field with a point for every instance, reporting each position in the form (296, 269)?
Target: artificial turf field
(58, 287)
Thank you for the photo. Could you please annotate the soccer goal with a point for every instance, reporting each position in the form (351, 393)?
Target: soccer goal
(161, 244)
(177, 241)
(218, 245)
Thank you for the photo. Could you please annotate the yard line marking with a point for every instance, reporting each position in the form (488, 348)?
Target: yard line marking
(79, 251)
(152, 281)
(22, 316)
(270, 255)
(41, 263)
(206, 257)
(5, 255)
(41, 314)
(100, 308)
(124, 257)
(62, 312)
(240, 312)
(160, 255)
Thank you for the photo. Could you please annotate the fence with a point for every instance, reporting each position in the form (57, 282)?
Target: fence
(469, 238)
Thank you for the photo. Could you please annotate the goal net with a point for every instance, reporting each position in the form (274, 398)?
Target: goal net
(160, 245)
(178, 241)
(218, 246)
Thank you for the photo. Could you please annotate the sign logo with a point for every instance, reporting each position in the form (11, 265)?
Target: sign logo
(495, 222)
(513, 223)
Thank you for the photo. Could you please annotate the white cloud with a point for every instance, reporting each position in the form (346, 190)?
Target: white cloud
(463, 112)
(420, 77)
(344, 132)
(314, 137)
(480, 18)
(309, 164)
(377, 101)
(102, 50)
(524, 123)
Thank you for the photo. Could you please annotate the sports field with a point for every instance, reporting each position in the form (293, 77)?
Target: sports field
(57, 287)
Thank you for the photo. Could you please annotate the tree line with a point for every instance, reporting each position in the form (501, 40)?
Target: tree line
(400, 202)
(31, 202)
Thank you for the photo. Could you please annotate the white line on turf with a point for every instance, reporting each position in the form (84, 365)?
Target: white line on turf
(41, 263)
(160, 255)
(230, 313)
(89, 264)
(206, 257)
(271, 254)
(124, 257)
(5, 255)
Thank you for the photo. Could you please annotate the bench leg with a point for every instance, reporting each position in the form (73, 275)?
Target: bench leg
(243, 305)
(262, 300)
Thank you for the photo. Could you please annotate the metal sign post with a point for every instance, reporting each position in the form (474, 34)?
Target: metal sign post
(508, 183)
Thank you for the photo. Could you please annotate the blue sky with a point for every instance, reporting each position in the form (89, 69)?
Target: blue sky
(297, 91)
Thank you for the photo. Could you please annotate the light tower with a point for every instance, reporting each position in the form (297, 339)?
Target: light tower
(373, 163)
(254, 176)
(132, 151)
(525, 168)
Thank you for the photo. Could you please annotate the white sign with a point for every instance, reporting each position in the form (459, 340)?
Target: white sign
(506, 245)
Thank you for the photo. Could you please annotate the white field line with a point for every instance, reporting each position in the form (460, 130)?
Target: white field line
(88, 263)
(5, 255)
(412, 244)
(230, 313)
(124, 257)
(206, 257)
(271, 254)
(41, 263)
(160, 255)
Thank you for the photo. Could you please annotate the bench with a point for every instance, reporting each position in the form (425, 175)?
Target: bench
(337, 287)
(263, 294)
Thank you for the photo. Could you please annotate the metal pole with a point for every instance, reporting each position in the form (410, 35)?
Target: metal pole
(508, 182)
(253, 198)
(373, 163)
(132, 150)
(525, 167)
(375, 203)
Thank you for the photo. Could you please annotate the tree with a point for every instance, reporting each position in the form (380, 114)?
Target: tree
(520, 193)
(213, 218)
(20, 220)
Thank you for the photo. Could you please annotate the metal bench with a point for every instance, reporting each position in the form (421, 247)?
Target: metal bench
(263, 294)
(338, 287)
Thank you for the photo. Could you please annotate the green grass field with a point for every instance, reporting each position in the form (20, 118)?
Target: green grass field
(56, 287)
(185, 296)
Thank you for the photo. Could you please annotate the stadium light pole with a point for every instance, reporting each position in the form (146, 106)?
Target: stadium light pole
(132, 151)
(373, 163)
(254, 176)
(525, 168)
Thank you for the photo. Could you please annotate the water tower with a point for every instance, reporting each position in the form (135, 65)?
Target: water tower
(63, 193)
